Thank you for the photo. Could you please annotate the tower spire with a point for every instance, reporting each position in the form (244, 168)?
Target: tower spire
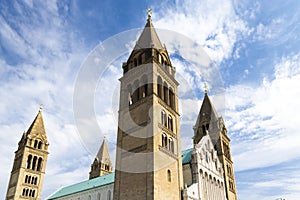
(102, 164)
(27, 175)
(209, 123)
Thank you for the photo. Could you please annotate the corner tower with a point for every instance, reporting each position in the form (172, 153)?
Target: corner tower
(102, 164)
(27, 175)
(148, 154)
(209, 123)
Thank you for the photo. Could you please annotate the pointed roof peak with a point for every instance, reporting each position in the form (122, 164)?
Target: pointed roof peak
(207, 111)
(103, 153)
(37, 127)
(148, 37)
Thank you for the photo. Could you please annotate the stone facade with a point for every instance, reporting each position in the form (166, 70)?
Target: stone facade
(209, 123)
(27, 175)
(204, 174)
(148, 159)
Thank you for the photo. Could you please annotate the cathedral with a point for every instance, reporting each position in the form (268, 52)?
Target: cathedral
(150, 163)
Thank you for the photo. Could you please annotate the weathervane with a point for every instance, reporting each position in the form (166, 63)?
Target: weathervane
(149, 12)
(41, 107)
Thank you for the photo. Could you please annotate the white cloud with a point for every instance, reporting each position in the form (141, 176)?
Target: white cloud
(256, 117)
(44, 72)
(212, 24)
(264, 120)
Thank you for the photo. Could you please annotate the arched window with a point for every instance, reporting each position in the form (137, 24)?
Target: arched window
(90, 198)
(203, 130)
(170, 122)
(172, 98)
(29, 161)
(35, 181)
(206, 157)
(171, 145)
(30, 193)
(140, 60)
(32, 180)
(135, 62)
(23, 193)
(166, 93)
(159, 87)
(34, 163)
(201, 172)
(99, 196)
(169, 175)
(136, 93)
(26, 193)
(164, 140)
(163, 118)
(26, 179)
(35, 143)
(129, 89)
(33, 193)
(109, 195)
(40, 145)
(29, 179)
(144, 86)
(39, 165)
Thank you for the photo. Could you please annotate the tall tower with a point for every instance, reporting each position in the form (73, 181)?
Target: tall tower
(102, 164)
(148, 155)
(209, 122)
(27, 175)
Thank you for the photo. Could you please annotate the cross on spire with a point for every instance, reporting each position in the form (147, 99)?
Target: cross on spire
(205, 88)
(149, 11)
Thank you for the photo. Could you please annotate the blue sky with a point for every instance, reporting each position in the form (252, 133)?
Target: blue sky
(254, 49)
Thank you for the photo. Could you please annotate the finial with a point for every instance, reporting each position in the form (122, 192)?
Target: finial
(41, 107)
(205, 88)
(149, 13)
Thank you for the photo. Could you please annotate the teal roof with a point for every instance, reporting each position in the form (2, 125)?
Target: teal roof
(85, 185)
(187, 156)
(103, 180)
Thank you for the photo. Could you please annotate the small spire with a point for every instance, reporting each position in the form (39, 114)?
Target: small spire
(149, 13)
(205, 88)
(41, 107)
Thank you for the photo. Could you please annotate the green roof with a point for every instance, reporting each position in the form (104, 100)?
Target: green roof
(187, 156)
(103, 180)
(85, 185)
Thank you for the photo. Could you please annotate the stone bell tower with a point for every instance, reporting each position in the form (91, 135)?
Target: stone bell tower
(27, 175)
(210, 123)
(148, 154)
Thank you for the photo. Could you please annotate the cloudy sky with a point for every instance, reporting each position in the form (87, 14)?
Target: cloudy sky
(254, 51)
